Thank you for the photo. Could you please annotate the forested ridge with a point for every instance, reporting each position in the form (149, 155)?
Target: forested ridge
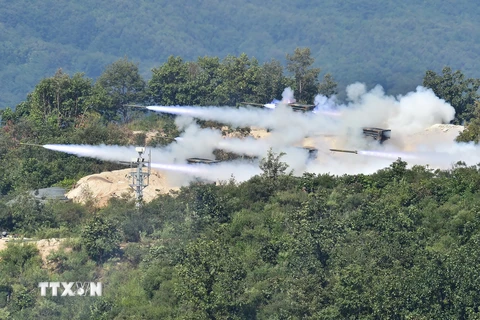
(387, 43)
(402, 243)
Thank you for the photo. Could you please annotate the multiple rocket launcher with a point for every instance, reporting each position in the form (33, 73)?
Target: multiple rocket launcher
(377, 134)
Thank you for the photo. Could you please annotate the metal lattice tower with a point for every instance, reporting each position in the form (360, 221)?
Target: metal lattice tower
(140, 177)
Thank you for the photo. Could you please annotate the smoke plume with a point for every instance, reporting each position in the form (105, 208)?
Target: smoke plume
(332, 125)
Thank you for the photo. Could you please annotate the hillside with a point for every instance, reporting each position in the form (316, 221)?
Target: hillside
(389, 43)
(362, 234)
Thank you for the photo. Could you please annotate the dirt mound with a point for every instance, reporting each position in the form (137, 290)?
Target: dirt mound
(149, 135)
(259, 133)
(436, 134)
(103, 186)
(446, 128)
(45, 246)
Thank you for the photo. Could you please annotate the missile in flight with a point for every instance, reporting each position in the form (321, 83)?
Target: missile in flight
(31, 144)
(346, 151)
(135, 106)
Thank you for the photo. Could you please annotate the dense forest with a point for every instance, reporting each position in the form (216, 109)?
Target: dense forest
(387, 43)
(402, 243)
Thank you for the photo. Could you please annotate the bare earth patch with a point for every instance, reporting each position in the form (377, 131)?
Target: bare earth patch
(103, 186)
(45, 246)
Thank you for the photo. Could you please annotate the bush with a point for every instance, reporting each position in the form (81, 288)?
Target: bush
(101, 239)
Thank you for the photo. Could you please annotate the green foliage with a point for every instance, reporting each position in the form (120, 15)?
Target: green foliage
(328, 87)
(472, 130)
(30, 215)
(101, 309)
(56, 102)
(407, 41)
(306, 78)
(272, 168)
(239, 76)
(460, 92)
(211, 282)
(18, 258)
(168, 83)
(100, 239)
(210, 81)
(123, 84)
(399, 243)
(271, 82)
(22, 299)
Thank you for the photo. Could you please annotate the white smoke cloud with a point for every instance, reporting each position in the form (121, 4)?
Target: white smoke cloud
(287, 96)
(324, 103)
(405, 115)
(355, 91)
(420, 109)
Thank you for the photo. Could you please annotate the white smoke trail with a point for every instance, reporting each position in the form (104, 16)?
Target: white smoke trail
(101, 152)
(240, 170)
(279, 119)
(404, 115)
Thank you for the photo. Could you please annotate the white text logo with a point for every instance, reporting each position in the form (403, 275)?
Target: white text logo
(71, 289)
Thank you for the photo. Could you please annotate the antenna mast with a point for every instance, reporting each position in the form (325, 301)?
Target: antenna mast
(140, 177)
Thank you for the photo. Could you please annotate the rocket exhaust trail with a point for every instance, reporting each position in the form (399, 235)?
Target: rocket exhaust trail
(242, 171)
(281, 118)
(379, 154)
(101, 152)
(388, 155)
(189, 169)
(228, 115)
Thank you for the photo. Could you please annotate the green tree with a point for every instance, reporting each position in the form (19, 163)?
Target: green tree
(306, 78)
(100, 238)
(56, 102)
(168, 83)
(207, 79)
(271, 82)
(16, 259)
(272, 167)
(238, 79)
(328, 87)
(124, 84)
(202, 79)
(209, 205)
(460, 92)
(210, 282)
(29, 215)
(472, 130)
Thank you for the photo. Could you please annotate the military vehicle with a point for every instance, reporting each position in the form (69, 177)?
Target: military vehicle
(272, 105)
(302, 107)
(377, 134)
(202, 160)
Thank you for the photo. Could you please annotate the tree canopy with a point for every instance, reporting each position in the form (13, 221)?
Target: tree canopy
(402, 242)
(389, 44)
